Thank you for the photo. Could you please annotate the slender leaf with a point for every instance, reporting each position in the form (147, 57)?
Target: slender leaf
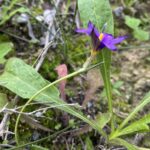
(124, 143)
(133, 128)
(140, 125)
(145, 120)
(140, 106)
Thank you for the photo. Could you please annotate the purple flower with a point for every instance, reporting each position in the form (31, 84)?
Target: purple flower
(101, 40)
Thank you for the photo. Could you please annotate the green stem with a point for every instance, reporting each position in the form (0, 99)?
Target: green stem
(49, 85)
(108, 92)
(110, 106)
(106, 78)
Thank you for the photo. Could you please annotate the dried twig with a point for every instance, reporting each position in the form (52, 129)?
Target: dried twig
(3, 124)
(47, 43)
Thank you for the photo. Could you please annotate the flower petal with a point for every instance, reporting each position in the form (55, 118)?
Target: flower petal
(95, 40)
(90, 25)
(101, 40)
(101, 46)
(108, 41)
(88, 30)
(96, 32)
(82, 31)
(119, 39)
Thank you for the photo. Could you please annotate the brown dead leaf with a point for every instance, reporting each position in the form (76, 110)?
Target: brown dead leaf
(94, 82)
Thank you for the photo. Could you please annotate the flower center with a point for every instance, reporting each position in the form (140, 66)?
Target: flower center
(101, 36)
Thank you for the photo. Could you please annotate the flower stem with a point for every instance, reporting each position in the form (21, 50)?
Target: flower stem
(106, 78)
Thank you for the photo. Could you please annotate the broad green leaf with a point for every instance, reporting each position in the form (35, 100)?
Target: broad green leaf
(124, 143)
(5, 48)
(141, 35)
(132, 22)
(99, 12)
(103, 119)
(23, 80)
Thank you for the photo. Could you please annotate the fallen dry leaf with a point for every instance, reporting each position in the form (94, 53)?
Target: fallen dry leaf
(94, 82)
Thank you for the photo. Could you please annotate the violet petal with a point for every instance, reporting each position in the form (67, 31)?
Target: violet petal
(108, 41)
(82, 31)
(119, 39)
